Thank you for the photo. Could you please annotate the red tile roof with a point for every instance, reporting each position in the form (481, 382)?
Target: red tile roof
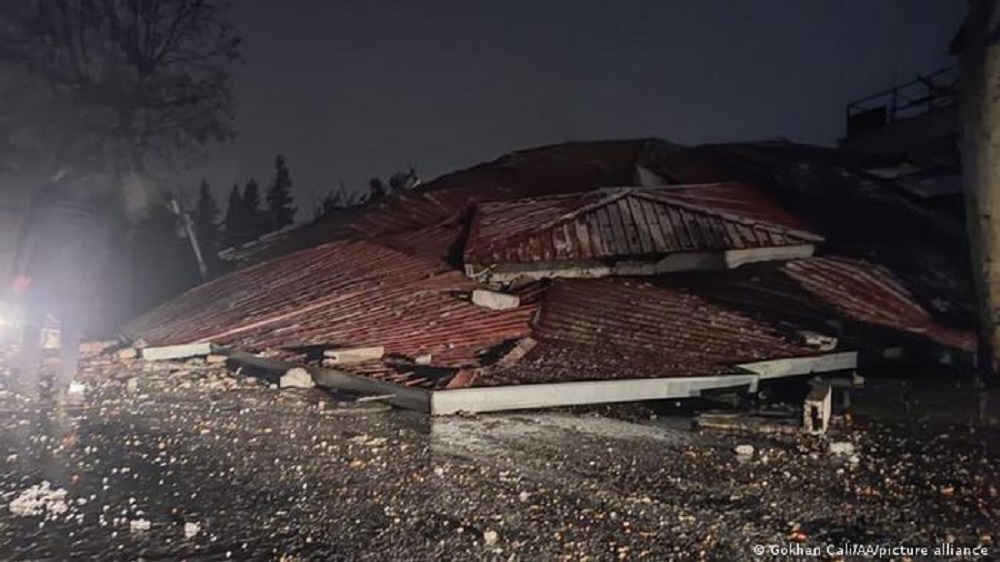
(351, 293)
(706, 323)
(629, 222)
(628, 328)
(548, 170)
(817, 290)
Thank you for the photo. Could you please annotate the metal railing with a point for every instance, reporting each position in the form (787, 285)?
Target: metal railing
(924, 94)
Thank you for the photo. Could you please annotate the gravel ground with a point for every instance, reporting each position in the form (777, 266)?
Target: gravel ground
(222, 467)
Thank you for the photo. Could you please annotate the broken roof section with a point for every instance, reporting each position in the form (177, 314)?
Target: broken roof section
(621, 328)
(709, 323)
(582, 235)
(343, 294)
(393, 275)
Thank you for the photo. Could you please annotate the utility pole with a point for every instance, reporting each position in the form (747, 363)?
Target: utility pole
(979, 107)
(188, 224)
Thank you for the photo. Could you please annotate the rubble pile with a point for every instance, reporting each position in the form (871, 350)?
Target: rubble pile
(125, 366)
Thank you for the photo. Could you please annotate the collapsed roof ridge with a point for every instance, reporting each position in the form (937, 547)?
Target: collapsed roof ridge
(741, 219)
(655, 194)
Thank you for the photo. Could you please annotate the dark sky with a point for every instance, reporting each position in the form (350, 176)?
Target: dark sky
(351, 89)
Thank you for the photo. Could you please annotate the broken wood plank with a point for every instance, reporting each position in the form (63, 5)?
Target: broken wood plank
(769, 424)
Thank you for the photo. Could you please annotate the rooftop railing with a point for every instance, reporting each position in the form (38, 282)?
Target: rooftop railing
(928, 93)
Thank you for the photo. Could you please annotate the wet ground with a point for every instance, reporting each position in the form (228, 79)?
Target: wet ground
(224, 467)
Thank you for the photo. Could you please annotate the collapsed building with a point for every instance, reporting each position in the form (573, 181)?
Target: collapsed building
(599, 272)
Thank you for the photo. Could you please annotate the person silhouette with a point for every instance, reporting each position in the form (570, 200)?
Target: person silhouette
(63, 247)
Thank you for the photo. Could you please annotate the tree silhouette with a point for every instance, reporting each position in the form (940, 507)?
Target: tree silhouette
(254, 222)
(206, 225)
(235, 217)
(279, 196)
(117, 83)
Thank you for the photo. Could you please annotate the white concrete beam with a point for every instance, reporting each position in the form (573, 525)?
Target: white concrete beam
(182, 351)
(795, 366)
(528, 396)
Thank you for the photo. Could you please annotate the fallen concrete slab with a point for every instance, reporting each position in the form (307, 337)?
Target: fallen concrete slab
(183, 351)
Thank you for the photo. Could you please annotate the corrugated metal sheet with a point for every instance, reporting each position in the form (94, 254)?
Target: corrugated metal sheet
(352, 293)
(630, 222)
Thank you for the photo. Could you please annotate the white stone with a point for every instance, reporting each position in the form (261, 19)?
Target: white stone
(191, 529)
(841, 448)
(744, 450)
(39, 499)
(297, 378)
(139, 525)
(494, 300)
(353, 355)
(490, 537)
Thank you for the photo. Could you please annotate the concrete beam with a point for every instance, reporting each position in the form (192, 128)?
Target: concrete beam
(183, 351)
(795, 366)
(529, 396)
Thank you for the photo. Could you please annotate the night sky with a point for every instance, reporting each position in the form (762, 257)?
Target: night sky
(348, 90)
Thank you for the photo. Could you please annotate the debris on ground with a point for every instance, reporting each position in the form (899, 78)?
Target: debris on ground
(219, 463)
(40, 499)
(841, 448)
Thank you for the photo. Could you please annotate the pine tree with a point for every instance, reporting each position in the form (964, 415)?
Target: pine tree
(206, 225)
(235, 217)
(377, 189)
(254, 220)
(279, 196)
